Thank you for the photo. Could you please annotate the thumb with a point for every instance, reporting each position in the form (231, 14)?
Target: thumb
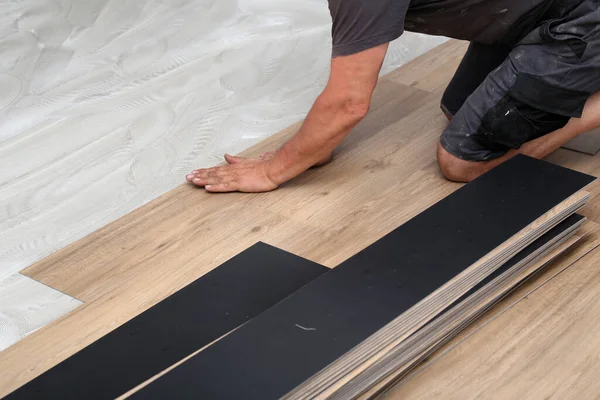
(233, 159)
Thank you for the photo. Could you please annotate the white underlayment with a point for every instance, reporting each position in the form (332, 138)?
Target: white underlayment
(106, 104)
(27, 305)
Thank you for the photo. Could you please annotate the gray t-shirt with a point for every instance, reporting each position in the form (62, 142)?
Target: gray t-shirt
(362, 24)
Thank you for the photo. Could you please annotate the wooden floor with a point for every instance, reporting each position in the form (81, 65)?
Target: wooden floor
(382, 175)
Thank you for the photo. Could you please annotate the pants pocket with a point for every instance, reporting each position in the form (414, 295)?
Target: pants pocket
(534, 92)
(512, 123)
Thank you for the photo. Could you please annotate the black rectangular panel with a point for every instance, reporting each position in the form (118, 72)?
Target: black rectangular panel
(171, 330)
(293, 340)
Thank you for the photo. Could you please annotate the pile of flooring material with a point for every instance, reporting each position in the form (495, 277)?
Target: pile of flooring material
(300, 331)
(396, 360)
(370, 319)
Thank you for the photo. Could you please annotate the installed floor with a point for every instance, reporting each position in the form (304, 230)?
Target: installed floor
(106, 104)
(384, 173)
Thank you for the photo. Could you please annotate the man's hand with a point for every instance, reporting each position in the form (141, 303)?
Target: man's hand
(342, 104)
(241, 174)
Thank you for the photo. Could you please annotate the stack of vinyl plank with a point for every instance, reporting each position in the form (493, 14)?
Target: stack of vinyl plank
(385, 308)
(398, 360)
(304, 332)
(395, 345)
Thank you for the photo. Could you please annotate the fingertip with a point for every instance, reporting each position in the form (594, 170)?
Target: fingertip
(218, 188)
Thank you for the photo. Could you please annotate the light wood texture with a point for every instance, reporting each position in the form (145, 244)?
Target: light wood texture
(105, 105)
(382, 175)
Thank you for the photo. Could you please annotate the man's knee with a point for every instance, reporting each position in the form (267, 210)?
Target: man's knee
(457, 170)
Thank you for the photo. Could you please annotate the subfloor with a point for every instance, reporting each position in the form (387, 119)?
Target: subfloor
(107, 104)
(383, 174)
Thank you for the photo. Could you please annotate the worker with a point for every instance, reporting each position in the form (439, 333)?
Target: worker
(528, 83)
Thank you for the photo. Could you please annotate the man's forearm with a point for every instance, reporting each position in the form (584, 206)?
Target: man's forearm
(343, 103)
(328, 122)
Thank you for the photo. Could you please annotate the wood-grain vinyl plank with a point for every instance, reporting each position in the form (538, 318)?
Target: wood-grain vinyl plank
(331, 199)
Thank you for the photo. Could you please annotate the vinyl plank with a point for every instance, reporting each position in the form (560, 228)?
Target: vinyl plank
(281, 348)
(184, 322)
(84, 269)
